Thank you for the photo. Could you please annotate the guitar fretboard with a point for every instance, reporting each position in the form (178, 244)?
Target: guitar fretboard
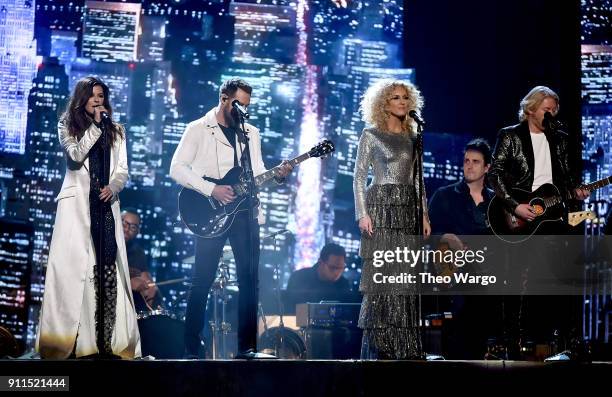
(598, 184)
(552, 201)
(274, 171)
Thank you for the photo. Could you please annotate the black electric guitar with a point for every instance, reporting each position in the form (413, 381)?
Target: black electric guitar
(206, 217)
(549, 206)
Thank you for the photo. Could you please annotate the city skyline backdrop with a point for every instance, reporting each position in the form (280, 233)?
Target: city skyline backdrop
(309, 63)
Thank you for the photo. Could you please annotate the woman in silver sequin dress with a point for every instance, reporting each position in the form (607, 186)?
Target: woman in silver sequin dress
(387, 211)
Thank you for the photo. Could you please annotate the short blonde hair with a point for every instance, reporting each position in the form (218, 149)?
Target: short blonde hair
(377, 97)
(533, 100)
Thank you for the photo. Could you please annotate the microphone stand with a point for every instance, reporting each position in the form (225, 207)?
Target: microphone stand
(418, 172)
(247, 167)
(278, 347)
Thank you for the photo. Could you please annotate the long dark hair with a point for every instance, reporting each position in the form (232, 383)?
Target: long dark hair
(77, 120)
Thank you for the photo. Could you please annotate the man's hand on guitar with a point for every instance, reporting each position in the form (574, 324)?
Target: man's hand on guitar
(284, 169)
(224, 194)
(525, 211)
(581, 194)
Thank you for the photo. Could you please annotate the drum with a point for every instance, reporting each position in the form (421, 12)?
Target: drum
(283, 343)
(162, 335)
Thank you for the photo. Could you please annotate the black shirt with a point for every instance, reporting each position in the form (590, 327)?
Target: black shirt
(452, 210)
(230, 134)
(306, 286)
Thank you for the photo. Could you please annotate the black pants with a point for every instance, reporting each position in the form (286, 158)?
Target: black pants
(208, 254)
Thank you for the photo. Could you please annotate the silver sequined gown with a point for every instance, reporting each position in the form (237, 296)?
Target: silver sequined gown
(389, 315)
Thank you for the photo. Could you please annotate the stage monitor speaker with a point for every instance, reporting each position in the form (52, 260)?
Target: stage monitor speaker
(337, 343)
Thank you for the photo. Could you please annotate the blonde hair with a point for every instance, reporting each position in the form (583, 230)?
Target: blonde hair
(377, 97)
(534, 98)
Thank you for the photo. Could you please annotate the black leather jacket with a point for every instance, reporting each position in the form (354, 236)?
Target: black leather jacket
(513, 162)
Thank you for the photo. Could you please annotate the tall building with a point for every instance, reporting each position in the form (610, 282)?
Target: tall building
(596, 68)
(64, 47)
(110, 31)
(17, 69)
(152, 39)
(365, 53)
(15, 269)
(47, 166)
(154, 102)
(596, 79)
(264, 33)
(331, 22)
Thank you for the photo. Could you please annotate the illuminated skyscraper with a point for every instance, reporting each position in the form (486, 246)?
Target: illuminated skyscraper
(15, 269)
(152, 39)
(597, 116)
(43, 178)
(17, 69)
(64, 47)
(331, 22)
(110, 31)
(264, 33)
(364, 53)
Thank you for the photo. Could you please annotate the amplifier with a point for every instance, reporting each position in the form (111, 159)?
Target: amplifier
(327, 315)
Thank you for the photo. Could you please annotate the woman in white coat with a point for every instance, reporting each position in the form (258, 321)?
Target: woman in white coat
(88, 206)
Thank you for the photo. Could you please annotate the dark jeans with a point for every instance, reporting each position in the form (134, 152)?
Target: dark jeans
(208, 254)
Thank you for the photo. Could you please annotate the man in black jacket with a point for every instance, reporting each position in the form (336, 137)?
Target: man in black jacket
(526, 156)
(530, 154)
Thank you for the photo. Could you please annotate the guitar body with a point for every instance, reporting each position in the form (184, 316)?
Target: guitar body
(206, 217)
(509, 227)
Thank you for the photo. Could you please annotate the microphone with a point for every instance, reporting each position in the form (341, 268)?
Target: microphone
(416, 117)
(551, 122)
(105, 117)
(240, 109)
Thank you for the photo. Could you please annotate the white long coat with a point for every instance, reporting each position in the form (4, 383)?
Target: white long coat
(69, 298)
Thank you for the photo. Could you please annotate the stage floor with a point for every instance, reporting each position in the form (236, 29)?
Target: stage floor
(310, 377)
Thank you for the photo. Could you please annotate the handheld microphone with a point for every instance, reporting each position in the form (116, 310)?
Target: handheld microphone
(416, 117)
(551, 122)
(240, 109)
(105, 117)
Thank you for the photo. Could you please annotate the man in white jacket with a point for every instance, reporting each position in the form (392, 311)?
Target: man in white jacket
(210, 147)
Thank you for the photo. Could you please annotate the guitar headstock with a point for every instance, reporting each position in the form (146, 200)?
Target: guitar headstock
(322, 149)
(575, 218)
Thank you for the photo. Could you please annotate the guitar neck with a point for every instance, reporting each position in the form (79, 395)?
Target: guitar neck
(598, 184)
(260, 179)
